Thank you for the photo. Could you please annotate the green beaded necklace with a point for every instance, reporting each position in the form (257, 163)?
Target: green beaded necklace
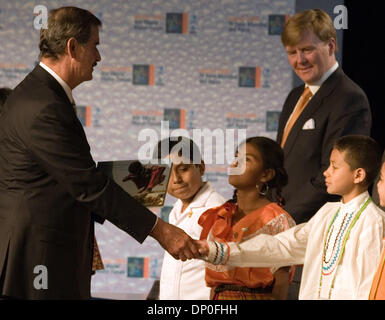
(363, 207)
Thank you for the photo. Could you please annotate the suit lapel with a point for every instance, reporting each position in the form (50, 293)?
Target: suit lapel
(314, 104)
(52, 83)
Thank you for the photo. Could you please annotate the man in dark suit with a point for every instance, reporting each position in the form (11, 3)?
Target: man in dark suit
(310, 123)
(50, 190)
(336, 108)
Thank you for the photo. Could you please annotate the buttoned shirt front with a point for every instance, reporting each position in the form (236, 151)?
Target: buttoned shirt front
(186, 280)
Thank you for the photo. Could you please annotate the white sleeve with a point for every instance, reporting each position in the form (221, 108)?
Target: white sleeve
(367, 257)
(284, 249)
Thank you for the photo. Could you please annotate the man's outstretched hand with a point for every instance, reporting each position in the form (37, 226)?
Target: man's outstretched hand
(174, 240)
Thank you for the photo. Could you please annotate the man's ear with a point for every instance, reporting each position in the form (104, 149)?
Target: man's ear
(71, 47)
(359, 175)
(332, 46)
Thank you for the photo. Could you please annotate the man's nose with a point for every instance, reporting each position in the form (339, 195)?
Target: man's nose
(301, 58)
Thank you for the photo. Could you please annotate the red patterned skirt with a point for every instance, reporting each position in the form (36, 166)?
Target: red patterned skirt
(233, 292)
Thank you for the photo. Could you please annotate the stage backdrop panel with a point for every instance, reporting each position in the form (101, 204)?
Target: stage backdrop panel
(214, 65)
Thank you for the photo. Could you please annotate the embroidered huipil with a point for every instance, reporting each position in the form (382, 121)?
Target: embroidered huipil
(305, 244)
(186, 280)
(217, 225)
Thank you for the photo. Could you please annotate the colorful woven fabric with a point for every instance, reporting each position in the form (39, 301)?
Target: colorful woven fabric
(240, 295)
(217, 225)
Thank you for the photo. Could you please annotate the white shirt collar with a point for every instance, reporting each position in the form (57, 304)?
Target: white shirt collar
(65, 86)
(315, 87)
(199, 199)
(355, 203)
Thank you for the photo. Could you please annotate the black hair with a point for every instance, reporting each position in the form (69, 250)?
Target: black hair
(361, 152)
(180, 145)
(273, 158)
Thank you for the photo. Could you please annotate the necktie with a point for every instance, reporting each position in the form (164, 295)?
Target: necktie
(304, 99)
(97, 262)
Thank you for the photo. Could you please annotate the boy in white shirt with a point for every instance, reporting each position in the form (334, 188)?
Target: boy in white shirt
(185, 280)
(340, 246)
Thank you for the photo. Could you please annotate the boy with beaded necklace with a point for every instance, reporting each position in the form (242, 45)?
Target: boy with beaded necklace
(340, 246)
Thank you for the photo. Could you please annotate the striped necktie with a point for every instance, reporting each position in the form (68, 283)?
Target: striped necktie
(303, 101)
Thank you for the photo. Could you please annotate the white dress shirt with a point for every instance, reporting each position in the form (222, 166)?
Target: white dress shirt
(64, 85)
(186, 280)
(315, 87)
(304, 244)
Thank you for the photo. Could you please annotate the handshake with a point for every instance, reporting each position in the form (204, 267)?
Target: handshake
(178, 243)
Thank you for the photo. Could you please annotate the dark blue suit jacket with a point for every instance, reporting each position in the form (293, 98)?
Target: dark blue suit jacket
(49, 191)
(339, 108)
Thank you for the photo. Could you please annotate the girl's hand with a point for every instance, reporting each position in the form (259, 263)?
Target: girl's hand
(203, 247)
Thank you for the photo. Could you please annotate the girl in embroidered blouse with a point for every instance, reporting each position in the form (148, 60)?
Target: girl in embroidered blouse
(252, 211)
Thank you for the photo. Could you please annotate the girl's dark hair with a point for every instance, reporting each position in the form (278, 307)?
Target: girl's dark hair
(273, 158)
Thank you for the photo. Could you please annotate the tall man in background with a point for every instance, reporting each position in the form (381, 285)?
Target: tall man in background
(50, 190)
(329, 105)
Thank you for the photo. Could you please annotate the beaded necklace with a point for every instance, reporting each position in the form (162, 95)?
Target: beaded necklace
(331, 258)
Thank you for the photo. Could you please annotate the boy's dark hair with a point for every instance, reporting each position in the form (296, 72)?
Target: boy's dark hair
(273, 158)
(180, 145)
(361, 152)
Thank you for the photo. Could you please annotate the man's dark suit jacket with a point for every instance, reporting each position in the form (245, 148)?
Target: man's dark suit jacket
(338, 108)
(49, 186)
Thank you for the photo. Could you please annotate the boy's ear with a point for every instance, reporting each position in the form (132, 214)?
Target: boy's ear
(268, 175)
(359, 175)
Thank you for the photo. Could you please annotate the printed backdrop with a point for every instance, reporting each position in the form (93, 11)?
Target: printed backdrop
(211, 65)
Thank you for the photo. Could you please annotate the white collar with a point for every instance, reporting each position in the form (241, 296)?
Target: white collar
(65, 86)
(199, 199)
(315, 87)
(355, 203)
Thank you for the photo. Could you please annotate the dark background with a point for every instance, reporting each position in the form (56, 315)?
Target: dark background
(363, 57)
